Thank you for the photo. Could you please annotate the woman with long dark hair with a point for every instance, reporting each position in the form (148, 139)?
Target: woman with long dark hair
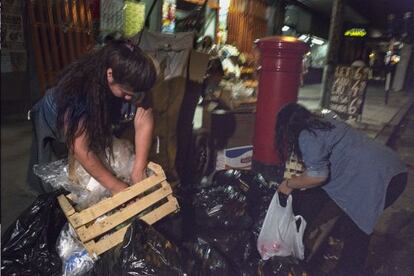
(361, 176)
(83, 107)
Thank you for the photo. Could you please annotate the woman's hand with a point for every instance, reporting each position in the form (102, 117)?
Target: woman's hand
(283, 187)
(137, 175)
(120, 186)
(94, 166)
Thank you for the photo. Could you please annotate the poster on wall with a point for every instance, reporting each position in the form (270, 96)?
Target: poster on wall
(168, 16)
(13, 49)
(112, 16)
(348, 91)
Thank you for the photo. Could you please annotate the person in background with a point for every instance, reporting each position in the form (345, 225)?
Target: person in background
(79, 113)
(206, 44)
(213, 77)
(361, 177)
(358, 63)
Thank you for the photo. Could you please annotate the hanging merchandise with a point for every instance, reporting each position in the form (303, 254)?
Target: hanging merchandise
(168, 16)
(172, 54)
(134, 18)
(111, 16)
(280, 235)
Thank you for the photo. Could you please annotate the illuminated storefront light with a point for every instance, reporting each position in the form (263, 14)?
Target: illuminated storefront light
(356, 32)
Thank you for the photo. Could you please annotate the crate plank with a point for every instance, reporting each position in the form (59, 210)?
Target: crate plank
(108, 204)
(162, 211)
(106, 243)
(65, 205)
(106, 224)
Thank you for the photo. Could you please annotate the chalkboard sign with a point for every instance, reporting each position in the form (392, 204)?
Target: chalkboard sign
(348, 91)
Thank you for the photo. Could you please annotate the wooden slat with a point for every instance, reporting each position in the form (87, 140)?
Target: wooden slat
(116, 238)
(62, 38)
(80, 10)
(40, 67)
(157, 169)
(162, 211)
(89, 26)
(52, 33)
(108, 204)
(106, 243)
(76, 27)
(102, 226)
(67, 208)
(45, 43)
(69, 30)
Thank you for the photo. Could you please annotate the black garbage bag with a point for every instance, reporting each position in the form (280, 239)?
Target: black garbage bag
(221, 207)
(229, 243)
(253, 185)
(205, 259)
(144, 251)
(28, 245)
(232, 177)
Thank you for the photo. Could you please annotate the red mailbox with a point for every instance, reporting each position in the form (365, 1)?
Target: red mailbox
(280, 69)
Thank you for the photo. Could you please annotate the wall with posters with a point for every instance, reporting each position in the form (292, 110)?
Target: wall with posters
(14, 77)
(13, 52)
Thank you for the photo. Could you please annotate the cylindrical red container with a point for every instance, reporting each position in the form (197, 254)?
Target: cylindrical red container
(279, 79)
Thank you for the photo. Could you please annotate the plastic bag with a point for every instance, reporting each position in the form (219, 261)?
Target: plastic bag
(75, 258)
(279, 235)
(85, 189)
(144, 251)
(28, 245)
(222, 207)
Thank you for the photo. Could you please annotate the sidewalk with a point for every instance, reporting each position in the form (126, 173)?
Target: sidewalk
(378, 119)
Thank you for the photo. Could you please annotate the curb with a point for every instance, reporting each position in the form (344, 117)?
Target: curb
(389, 129)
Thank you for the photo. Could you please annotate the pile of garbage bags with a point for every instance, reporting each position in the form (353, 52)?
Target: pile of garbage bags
(215, 233)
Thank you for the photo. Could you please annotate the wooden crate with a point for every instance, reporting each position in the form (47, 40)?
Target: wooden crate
(292, 167)
(152, 200)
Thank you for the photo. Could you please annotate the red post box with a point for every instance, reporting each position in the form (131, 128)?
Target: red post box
(279, 79)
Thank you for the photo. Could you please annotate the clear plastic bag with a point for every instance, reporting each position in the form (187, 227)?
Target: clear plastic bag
(280, 235)
(75, 258)
(85, 189)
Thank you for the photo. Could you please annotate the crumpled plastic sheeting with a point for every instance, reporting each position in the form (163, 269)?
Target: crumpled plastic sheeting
(28, 245)
(231, 244)
(144, 251)
(76, 260)
(221, 207)
(207, 260)
(85, 189)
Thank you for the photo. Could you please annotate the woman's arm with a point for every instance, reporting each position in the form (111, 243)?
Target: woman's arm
(144, 125)
(302, 181)
(94, 166)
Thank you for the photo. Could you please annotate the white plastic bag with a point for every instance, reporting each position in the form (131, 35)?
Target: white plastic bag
(75, 258)
(279, 235)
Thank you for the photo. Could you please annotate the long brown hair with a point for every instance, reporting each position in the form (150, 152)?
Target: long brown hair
(291, 120)
(83, 95)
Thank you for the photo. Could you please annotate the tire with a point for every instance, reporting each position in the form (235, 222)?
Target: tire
(202, 156)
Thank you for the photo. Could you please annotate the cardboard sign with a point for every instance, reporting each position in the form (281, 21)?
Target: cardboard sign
(348, 91)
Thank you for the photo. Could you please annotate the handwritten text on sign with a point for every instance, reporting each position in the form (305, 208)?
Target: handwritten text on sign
(348, 90)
